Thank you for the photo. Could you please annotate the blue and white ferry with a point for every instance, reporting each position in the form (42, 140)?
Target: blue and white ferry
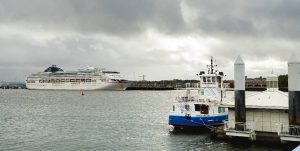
(200, 107)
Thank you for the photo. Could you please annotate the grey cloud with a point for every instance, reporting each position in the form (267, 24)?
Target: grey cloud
(104, 16)
(248, 18)
(96, 32)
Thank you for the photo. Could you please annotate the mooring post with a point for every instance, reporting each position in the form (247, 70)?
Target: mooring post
(294, 90)
(239, 93)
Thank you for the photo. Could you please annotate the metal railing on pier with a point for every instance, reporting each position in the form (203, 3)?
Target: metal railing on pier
(240, 129)
(245, 127)
(288, 130)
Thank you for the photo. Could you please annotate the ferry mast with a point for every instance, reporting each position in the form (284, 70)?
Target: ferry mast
(211, 66)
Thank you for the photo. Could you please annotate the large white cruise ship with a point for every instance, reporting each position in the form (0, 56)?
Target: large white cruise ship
(90, 78)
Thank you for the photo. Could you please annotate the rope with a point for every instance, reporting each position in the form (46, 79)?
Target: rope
(203, 123)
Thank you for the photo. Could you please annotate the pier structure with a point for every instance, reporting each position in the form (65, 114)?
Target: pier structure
(265, 115)
(291, 131)
(239, 93)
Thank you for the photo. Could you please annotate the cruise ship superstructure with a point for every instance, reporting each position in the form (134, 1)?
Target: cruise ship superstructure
(89, 78)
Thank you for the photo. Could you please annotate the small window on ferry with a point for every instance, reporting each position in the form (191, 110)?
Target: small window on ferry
(204, 79)
(208, 79)
(219, 79)
(213, 79)
(221, 109)
(204, 109)
(197, 107)
(173, 107)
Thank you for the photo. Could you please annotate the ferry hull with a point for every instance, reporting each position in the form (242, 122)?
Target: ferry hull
(197, 121)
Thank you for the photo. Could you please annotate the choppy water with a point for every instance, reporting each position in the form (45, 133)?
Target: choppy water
(99, 120)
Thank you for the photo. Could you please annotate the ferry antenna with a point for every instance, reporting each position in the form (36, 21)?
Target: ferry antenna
(211, 66)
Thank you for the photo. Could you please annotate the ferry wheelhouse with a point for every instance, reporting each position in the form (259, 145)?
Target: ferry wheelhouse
(89, 78)
(200, 107)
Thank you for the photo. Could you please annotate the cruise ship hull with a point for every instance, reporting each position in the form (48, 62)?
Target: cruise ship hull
(79, 86)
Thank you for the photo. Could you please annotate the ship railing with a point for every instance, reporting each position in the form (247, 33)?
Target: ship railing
(192, 99)
(185, 99)
(288, 130)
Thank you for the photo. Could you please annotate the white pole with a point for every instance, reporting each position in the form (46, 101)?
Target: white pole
(239, 93)
(294, 90)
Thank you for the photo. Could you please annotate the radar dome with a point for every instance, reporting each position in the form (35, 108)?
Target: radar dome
(53, 69)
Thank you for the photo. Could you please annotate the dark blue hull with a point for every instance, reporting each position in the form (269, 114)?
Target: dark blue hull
(197, 121)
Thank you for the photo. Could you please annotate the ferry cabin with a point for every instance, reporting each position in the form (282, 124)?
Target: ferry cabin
(211, 81)
(212, 86)
(197, 114)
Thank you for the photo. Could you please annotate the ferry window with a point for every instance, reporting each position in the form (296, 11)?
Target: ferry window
(204, 109)
(221, 109)
(219, 79)
(173, 107)
(187, 107)
(204, 79)
(197, 107)
(213, 79)
(208, 79)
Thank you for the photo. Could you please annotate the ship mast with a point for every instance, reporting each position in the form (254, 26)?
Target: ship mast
(211, 66)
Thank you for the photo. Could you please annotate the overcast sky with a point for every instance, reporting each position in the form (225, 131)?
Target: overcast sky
(162, 39)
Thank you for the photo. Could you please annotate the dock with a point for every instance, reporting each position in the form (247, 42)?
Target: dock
(270, 115)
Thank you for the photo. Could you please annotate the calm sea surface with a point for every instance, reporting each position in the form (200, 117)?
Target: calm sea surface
(99, 120)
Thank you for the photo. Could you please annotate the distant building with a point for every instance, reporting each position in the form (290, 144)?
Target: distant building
(250, 83)
(256, 83)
